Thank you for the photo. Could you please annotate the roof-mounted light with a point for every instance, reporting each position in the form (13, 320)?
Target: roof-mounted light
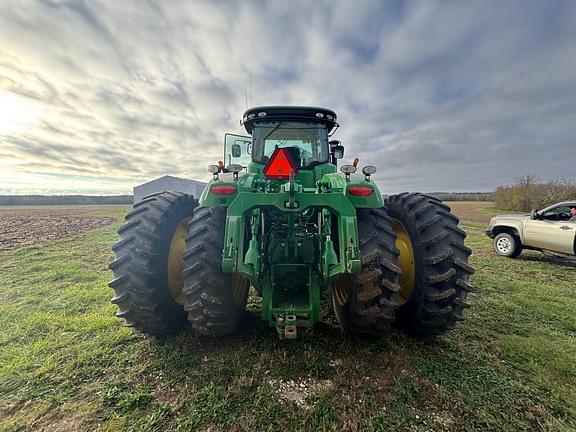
(288, 113)
(235, 168)
(214, 170)
(368, 170)
(348, 169)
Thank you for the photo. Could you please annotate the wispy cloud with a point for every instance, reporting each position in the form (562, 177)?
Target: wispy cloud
(440, 95)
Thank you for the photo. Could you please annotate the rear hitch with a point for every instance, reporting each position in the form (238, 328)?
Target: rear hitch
(286, 327)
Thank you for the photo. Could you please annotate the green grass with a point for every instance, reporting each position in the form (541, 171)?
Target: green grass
(66, 363)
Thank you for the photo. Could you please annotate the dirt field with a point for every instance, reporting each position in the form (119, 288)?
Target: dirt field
(474, 211)
(24, 226)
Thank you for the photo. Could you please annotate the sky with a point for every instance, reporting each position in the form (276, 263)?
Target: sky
(98, 96)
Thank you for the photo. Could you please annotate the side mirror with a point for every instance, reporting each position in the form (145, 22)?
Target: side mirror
(338, 152)
(534, 214)
(236, 150)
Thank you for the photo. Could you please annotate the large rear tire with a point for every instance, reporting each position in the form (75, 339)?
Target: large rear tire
(215, 301)
(365, 303)
(434, 262)
(148, 263)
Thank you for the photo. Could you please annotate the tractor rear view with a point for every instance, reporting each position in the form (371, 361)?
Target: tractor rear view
(278, 217)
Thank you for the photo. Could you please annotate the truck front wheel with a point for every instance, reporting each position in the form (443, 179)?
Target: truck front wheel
(507, 245)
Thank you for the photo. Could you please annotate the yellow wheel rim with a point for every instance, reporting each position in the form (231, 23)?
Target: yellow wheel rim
(340, 289)
(239, 287)
(405, 261)
(176, 261)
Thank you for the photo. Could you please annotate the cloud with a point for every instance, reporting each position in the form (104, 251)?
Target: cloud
(438, 95)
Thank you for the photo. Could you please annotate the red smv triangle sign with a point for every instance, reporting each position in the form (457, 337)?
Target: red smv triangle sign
(280, 165)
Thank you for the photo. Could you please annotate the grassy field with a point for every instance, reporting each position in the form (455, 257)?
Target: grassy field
(67, 364)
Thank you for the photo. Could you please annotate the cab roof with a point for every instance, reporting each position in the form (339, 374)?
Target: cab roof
(288, 113)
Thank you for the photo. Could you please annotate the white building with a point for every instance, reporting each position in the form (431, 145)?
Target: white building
(168, 183)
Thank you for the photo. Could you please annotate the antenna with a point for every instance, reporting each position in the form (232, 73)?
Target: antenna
(251, 88)
(246, 96)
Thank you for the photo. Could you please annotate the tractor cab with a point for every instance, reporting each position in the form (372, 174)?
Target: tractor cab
(303, 133)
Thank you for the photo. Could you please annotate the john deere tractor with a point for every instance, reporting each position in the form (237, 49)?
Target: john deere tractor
(278, 217)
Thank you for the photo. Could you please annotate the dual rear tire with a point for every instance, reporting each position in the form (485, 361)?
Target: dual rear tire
(147, 295)
(435, 294)
(167, 269)
(423, 266)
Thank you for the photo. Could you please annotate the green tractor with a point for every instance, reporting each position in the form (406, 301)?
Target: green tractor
(278, 217)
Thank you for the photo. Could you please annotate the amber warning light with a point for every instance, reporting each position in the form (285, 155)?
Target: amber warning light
(280, 165)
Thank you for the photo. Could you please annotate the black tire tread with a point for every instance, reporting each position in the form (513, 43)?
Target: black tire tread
(374, 294)
(442, 269)
(140, 283)
(207, 289)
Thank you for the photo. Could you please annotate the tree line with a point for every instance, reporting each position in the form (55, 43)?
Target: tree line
(528, 194)
(464, 196)
(33, 200)
(524, 195)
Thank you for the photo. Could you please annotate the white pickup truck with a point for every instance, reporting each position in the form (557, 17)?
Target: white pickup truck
(552, 229)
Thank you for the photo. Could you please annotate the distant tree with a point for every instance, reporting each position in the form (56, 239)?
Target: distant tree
(526, 184)
(464, 196)
(528, 194)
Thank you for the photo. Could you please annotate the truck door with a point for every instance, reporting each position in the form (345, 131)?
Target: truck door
(552, 231)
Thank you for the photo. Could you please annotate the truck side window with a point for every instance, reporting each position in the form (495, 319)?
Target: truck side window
(561, 213)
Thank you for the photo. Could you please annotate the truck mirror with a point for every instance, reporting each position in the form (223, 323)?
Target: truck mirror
(534, 214)
(236, 150)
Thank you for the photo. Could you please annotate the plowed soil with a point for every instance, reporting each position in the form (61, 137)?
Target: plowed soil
(27, 226)
(474, 211)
